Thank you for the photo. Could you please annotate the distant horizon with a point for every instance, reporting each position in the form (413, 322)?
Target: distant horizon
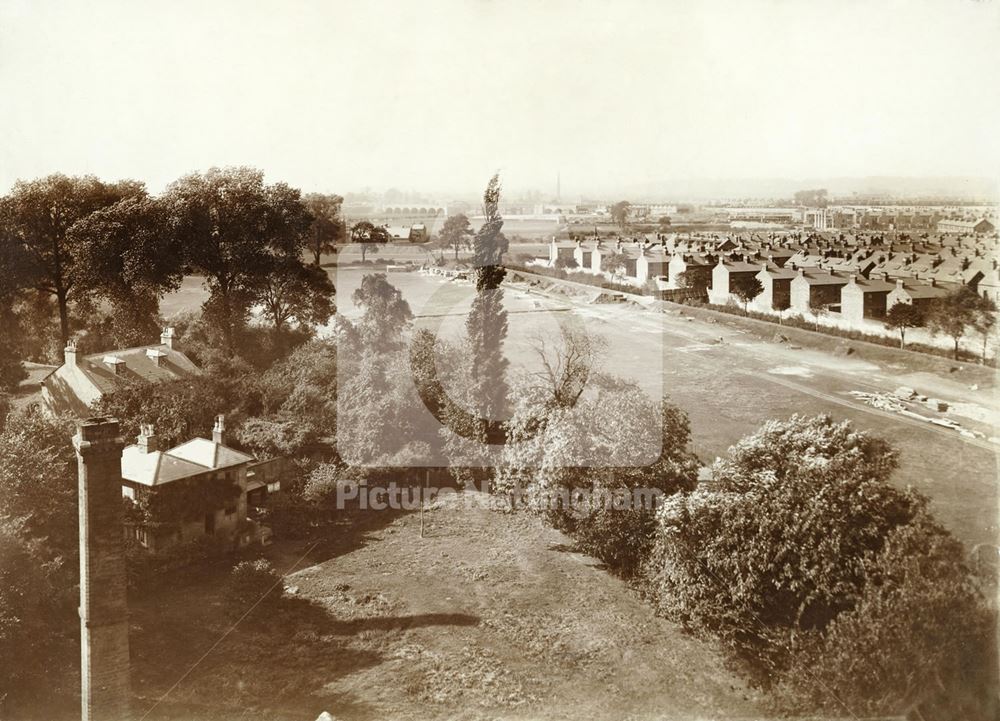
(631, 97)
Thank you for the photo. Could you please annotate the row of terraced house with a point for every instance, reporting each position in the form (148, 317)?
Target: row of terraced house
(855, 278)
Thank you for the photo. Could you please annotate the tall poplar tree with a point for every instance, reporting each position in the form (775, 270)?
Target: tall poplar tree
(486, 325)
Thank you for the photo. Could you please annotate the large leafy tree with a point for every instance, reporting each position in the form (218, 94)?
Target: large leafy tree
(327, 228)
(954, 314)
(746, 288)
(616, 263)
(182, 409)
(369, 235)
(38, 566)
(233, 227)
(127, 254)
(697, 278)
(984, 321)
(607, 443)
(299, 402)
(918, 643)
(13, 274)
(456, 232)
(385, 313)
(620, 212)
(39, 214)
(902, 317)
(377, 423)
(293, 293)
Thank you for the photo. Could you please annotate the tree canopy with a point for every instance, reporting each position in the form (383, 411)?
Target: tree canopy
(38, 215)
(327, 228)
(236, 231)
(457, 233)
(620, 213)
(903, 316)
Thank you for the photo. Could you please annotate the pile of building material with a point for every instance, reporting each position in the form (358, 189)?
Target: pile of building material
(899, 400)
(882, 401)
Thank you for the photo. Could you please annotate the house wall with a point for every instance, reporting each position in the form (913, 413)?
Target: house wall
(226, 524)
(799, 294)
(852, 303)
(718, 294)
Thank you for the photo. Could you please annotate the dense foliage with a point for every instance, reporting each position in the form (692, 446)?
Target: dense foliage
(797, 557)
(38, 562)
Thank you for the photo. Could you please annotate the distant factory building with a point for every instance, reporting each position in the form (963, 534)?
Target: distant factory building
(965, 226)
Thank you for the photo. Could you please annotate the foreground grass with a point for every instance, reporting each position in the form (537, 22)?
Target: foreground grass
(487, 616)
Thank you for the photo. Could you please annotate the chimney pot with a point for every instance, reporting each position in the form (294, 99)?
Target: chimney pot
(167, 337)
(147, 440)
(219, 430)
(69, 353)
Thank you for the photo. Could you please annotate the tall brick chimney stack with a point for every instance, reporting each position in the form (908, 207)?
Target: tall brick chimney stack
(104, 668)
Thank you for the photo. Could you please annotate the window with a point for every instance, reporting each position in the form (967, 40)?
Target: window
(274, 487)
(128, 492)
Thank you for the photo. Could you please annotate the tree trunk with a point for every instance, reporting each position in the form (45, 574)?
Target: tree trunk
(63, 316)
(956, 349)
(902, 337)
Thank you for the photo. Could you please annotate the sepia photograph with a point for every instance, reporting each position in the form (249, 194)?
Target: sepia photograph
(495, 360)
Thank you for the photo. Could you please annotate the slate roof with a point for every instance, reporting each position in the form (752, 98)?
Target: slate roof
(139, 366)
(197, 456)
(873, 285)
(69, 389)
(819, 278)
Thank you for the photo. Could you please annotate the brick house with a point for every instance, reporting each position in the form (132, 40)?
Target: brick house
(813, 287)
(82, 380)
(864, 298)
(777, 287)
(916, 293)
(725, 274)
(197, 489)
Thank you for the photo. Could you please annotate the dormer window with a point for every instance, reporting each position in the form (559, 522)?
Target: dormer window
(115, 364)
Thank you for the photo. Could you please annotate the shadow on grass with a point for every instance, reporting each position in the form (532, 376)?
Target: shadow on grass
(282, 661)
(403, 623)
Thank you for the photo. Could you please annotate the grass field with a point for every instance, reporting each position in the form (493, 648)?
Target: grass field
(487, 616)
(730, 380)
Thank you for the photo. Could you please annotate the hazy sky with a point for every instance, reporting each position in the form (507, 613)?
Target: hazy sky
(435, 96)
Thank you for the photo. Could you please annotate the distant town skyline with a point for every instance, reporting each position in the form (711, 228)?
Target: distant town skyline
(611, 99)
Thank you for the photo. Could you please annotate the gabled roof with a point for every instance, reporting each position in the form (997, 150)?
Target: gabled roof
(813, 277)
(739, 266)
(925, 290)
(137, 365)
(779, 273)
(873, 285)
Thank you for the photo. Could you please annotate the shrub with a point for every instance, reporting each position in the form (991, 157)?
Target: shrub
(144, 567)
(818, 574)
(252, 583)
(919, 639)
(558, 458)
